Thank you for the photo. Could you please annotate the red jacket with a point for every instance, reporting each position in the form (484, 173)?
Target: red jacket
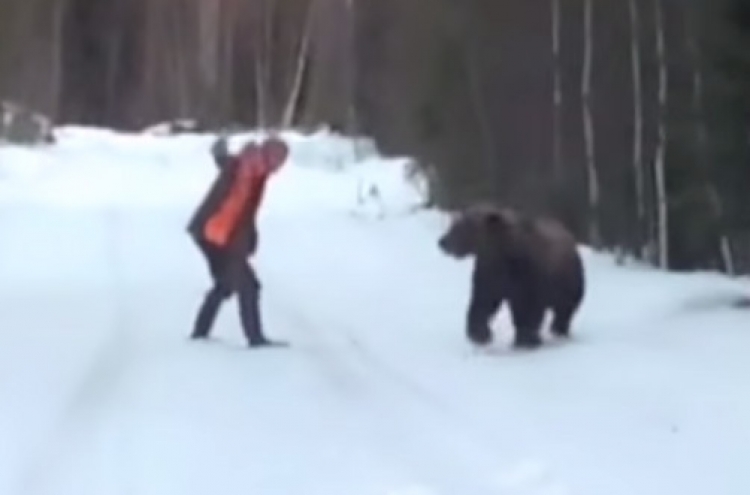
(226, 217)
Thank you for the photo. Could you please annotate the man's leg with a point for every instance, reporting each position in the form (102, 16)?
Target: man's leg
(221, 290)
(208, 312)
(248, 287)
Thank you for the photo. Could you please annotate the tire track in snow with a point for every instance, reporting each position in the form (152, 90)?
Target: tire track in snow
(524, 477)
(442, 444)
(89, 404)
(318, 348)
(373, 400)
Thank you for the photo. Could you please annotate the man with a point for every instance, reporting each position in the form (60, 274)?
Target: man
(224, 228)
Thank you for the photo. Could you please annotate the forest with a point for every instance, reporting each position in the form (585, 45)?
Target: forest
(629, 120)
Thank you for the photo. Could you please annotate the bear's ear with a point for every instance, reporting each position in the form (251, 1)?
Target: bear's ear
(496, 220)
(493, 218)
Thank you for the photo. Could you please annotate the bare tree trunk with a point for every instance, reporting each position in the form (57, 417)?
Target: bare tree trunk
(170, 54)
(697, 97)
(726, 255)
(58, 50)
(557, 93)
(226, 28)
(261, 94)
(270, 26)
(701, 135)
(352, 120)
(588, 127)
(151, 99)
(303, 56)
(659, 172)
(208, 67)
(635, 52)
(183, 75)
(209, 27)
(725, 246)
(113, 53)
(262, 62)
(480, 109)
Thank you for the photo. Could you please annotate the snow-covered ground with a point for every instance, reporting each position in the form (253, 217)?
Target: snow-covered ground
(101, 392)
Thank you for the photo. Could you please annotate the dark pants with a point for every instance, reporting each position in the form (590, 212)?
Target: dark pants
(231, 274)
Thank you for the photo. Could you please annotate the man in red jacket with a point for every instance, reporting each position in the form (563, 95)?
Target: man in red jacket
(224, 228)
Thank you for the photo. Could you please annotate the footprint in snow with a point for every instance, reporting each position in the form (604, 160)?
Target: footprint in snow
(529, 478)
(413, 490)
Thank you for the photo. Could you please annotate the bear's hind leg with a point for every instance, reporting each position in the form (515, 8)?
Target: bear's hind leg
(564, 311)
(527, 319)
(567, 300)
(561, 322)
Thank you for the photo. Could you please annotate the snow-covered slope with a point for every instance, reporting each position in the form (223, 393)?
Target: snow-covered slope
(101, 393)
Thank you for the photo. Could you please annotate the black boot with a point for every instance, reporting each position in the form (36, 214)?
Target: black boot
(204, 321)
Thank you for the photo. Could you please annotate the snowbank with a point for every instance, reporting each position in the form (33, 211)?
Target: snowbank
(144, 170)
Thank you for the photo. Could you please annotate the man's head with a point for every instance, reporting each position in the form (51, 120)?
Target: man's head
(275, 152)
(266, 157)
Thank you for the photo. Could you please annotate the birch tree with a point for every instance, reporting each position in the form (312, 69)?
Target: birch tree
(638, 173)
(291, 108)
(352, 117)
(557, 91)
(58, 52)
(588, 126)
(263, 48)
(659, 165)
(480, 108)
(701, 135)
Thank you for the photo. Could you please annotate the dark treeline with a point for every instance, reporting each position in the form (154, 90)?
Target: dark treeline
(627, 119)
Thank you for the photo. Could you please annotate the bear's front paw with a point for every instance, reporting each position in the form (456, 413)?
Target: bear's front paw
(479, 335)
(527, 342)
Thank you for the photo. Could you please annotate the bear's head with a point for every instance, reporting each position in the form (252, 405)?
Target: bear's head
(477, 228)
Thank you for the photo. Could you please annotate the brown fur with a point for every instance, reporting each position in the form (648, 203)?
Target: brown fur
(532, 262)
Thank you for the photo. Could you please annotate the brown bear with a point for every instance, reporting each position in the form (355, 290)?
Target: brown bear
(531, 262)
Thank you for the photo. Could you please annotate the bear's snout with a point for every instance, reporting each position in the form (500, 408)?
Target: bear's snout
(443, 244)
(452, 247)
(449, 247)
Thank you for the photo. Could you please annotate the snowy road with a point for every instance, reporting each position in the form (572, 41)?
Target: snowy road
(102, 393)
(146, 411)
